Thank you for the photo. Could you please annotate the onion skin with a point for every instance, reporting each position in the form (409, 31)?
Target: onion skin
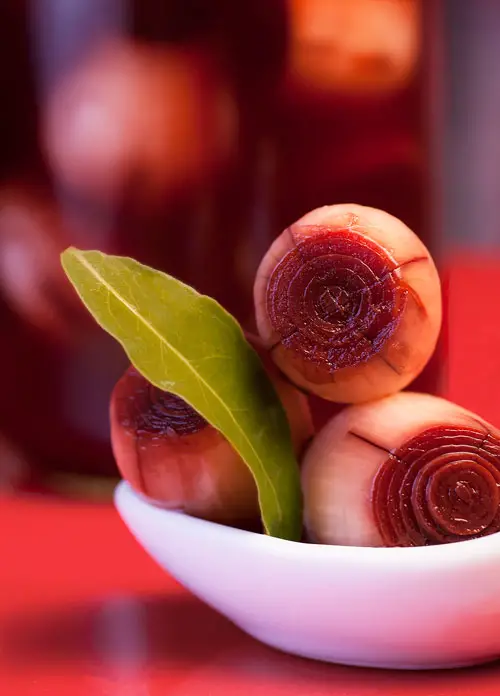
(408, 470)
(348, 301)
(295, 403)
(170, 454)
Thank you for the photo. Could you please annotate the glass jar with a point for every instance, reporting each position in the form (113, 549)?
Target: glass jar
(186, 134)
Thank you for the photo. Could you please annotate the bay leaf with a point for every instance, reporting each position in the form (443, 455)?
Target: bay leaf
(186, 343)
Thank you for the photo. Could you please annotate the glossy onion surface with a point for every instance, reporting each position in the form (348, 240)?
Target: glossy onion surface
(335, 299)
(162, 413)
(440, 486)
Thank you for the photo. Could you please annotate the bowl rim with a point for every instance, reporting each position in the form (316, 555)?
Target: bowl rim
(440, 555)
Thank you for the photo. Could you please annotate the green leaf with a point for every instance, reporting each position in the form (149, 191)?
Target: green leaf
(186, 343)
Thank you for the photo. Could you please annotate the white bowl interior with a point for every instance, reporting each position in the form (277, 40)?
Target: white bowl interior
(410, 608)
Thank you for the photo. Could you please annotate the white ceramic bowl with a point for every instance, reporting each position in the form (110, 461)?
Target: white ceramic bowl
(413, 608)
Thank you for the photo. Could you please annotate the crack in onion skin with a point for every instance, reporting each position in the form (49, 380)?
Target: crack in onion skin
(348, 300)
(441, 486)
(410, 469)
(335, 299)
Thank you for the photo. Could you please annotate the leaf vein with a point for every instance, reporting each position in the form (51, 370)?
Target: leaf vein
(98, 276)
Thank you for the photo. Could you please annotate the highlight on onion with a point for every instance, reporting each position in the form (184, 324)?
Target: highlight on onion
(348, 301)
(140, 121)
(408, 470)
(169, 453)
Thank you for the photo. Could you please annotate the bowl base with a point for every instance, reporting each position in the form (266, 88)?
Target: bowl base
(372, 664)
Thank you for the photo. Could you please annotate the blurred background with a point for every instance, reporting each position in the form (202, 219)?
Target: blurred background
(188, 134)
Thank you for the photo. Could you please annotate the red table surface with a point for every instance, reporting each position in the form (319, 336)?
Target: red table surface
(84, 610)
